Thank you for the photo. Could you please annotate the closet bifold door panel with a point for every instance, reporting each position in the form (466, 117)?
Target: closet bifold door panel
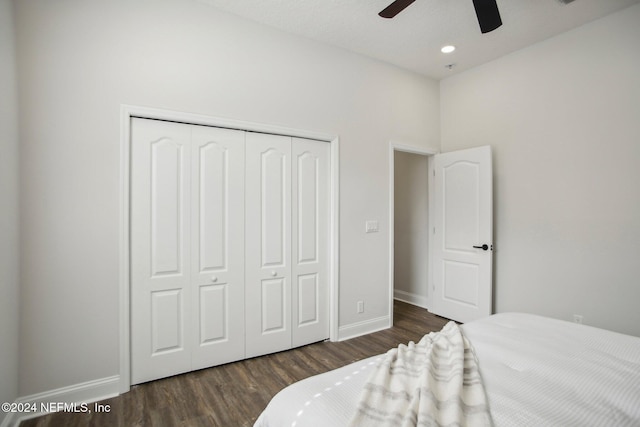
(187, 248)
(287, 253)
(217, 245)
(309, 242)
(161, 333)
(268, 243)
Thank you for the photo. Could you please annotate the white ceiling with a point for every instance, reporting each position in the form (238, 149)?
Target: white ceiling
(413, 39)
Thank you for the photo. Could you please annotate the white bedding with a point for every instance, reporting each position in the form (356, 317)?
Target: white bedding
(536, 371)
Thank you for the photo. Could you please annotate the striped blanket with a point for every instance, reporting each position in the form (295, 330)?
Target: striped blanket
(435, 382)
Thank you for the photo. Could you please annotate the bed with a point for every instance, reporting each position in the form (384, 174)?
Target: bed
(536, 371)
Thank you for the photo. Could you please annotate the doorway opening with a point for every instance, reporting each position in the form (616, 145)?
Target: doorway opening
(410, 212)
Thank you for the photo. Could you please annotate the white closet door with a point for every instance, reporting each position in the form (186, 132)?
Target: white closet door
(217, 254)
(268, 248)
(160, 241)
(310, 234)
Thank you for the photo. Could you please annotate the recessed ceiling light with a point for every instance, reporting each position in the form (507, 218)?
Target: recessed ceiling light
(448, 49)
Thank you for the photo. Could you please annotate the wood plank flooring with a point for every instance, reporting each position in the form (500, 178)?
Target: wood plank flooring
(233, 395)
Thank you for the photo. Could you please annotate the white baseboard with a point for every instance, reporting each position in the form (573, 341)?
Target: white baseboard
(363, 328)
(411, 298)
(84, 393)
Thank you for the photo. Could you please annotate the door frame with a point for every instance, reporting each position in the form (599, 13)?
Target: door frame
(429, 153)
(127, 112)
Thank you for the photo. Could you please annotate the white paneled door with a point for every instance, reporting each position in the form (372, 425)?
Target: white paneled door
(309, 243)
(187, 248)
(268, 239)
(217, 245)
(229, 245)
(463, 234)
(160, 242)
(287, 214)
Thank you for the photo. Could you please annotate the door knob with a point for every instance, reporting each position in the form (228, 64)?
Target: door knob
(274, 274)
(214, 279)
(483, 247)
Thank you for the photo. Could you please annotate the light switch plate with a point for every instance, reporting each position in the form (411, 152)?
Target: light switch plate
(371, 226)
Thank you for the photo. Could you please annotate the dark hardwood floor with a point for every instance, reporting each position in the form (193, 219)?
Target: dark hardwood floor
(233, 395)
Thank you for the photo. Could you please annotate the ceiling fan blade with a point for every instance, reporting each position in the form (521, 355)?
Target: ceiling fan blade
(488, 15)
(395, 8)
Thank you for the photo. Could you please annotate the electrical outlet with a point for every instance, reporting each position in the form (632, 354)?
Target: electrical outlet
(360, 306)
(577, 318)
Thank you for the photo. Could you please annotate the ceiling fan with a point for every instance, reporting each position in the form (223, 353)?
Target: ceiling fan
(486, 11)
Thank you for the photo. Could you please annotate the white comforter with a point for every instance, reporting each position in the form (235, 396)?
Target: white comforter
(537, 372)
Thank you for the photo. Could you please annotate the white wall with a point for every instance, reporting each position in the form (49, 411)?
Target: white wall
(9, 264)
(78, 61)
(410, 237)
(563, 119)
